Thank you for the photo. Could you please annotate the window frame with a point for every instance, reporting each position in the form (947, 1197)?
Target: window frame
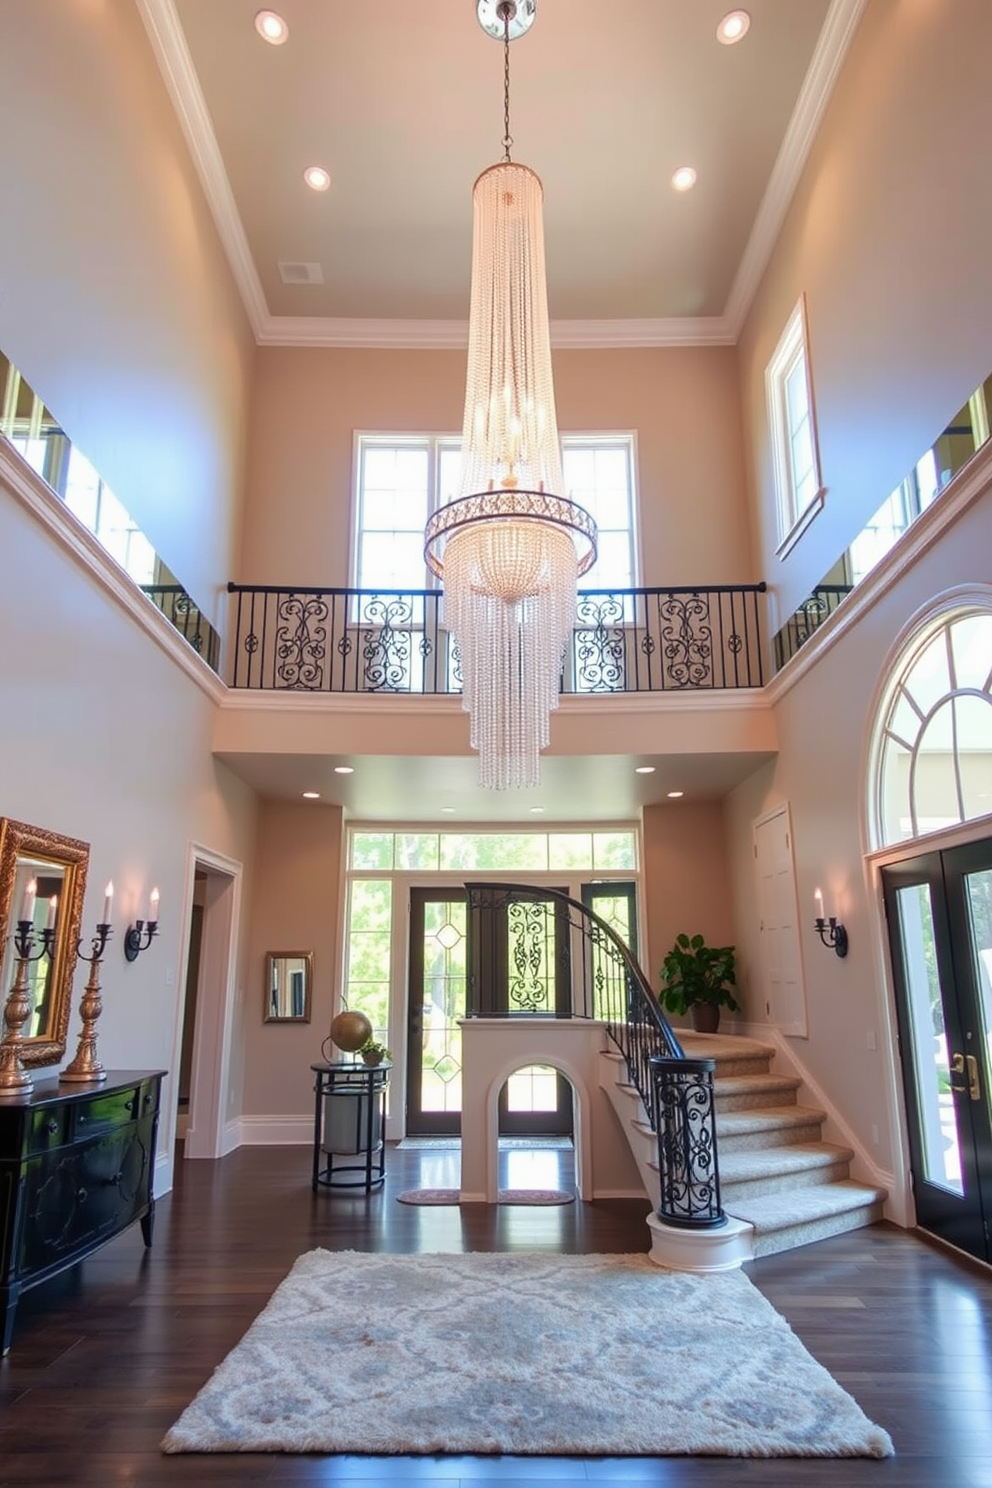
(437, 443)
(792, 350)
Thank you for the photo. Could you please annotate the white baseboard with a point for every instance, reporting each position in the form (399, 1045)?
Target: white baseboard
(274, 1131)
(620, 1193)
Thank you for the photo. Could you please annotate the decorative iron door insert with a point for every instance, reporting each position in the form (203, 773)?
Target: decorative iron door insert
(436, 1002)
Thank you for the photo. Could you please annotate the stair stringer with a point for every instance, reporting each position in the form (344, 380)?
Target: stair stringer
(722, 1249)
(835, 1129)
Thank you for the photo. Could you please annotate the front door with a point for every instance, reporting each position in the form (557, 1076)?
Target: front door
(939, 910)
(436, 1002)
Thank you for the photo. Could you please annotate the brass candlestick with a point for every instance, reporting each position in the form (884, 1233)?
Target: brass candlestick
(86, 1068)
(14, 1078)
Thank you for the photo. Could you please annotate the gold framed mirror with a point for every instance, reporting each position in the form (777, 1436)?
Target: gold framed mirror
(58, 866)
(288, 986)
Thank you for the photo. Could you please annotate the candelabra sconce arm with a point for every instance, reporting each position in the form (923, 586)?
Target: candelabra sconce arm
(138, 938)
(832, 933)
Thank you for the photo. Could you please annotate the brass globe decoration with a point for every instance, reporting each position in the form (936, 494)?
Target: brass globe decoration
(350, 1030)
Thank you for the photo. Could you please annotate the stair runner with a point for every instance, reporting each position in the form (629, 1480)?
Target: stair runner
(776, 1171)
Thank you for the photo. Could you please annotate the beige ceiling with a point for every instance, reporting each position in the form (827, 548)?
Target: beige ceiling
(402, 103)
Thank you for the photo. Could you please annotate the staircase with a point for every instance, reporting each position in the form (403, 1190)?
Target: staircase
(777, 1174)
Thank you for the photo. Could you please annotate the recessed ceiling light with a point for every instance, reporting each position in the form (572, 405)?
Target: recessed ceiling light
(644, 770)
(316, 178)
(684, 178)
(448, 810)
(675, 795)
(733, 27)
(271, 27)
(311, 795)
(537, 811)
(343, 770)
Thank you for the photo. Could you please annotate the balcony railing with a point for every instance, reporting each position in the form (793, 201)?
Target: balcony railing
(183, 613)
(362, 641)
(806, 621)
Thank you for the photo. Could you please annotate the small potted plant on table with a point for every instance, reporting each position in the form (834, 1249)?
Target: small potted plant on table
(372, 1052)
(697, 979)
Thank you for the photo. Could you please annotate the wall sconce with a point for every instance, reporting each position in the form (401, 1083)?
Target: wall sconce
(140, 935)
(830, 930)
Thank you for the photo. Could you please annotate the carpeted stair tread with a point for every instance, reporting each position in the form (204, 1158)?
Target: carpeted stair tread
(773, 1162)
(722, 1046)
(766, 1118)
(804, 1206)
(735, 1092)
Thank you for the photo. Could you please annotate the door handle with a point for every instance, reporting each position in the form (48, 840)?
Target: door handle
(957, 1068)
(974, 1085)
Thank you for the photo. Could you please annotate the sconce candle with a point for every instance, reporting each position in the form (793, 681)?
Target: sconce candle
(27, 903)
(818, 901)
(830, 930)
(153, 902)
(53, 909)
(108, 903)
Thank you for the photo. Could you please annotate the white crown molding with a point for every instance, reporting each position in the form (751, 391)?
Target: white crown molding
(831, 49)
(176, 65)
(28, 488)
(413, 705)
(967, 487)
(442, 335)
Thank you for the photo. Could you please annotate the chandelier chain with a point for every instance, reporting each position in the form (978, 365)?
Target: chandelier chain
(507, 136)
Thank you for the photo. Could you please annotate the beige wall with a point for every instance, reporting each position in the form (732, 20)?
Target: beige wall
(306, 405)
(116, 302)
(102, 737)
(888, 236)
(824, 723)
(686, 879)
(294, 907)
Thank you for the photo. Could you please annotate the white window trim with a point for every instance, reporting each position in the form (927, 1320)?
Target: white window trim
(436, 439)
(793, 343)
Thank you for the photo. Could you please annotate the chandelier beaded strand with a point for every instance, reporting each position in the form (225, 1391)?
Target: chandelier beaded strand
(509, 551)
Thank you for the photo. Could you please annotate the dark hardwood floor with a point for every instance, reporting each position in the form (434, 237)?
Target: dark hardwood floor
(105, 1357)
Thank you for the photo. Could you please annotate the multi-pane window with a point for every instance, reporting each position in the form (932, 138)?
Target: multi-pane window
(792, 423)
(402, 480)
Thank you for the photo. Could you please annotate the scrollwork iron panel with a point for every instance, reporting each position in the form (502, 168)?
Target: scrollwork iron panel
(687, 1157)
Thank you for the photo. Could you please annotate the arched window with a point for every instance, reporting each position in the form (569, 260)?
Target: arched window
(932, 744)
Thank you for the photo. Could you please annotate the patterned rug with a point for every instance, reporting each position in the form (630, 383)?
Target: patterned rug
(521, 1353)
(506, 1196)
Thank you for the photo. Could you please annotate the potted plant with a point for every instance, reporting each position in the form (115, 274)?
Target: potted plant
(697, 978)
(372, 1052)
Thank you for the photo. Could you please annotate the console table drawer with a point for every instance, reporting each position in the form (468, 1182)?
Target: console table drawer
(104, 1113)
(47, 1129)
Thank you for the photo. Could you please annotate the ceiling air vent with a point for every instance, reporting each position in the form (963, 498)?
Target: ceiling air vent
(301, 273)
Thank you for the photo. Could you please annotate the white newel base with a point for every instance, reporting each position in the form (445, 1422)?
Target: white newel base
(701, 1250)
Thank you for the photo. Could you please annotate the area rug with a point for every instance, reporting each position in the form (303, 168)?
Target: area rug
(520, 1353)
(506, 1196)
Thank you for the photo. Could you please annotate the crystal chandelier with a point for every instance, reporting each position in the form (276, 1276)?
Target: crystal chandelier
(509, 550)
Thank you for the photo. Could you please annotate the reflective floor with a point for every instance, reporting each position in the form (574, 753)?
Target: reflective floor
(106, 1357)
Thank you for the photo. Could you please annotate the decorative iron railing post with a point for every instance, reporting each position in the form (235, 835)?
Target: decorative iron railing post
(687, 1157)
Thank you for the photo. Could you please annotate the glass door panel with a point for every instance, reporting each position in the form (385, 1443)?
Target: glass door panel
(939, 909)
(438, 981)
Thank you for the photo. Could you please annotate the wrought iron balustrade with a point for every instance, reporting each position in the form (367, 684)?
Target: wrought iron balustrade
(806, 621)
(182, 612)
(538, 952)
(364, 641)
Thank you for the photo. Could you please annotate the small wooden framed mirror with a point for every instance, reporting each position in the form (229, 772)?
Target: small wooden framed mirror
(288, 986)
(58, 867)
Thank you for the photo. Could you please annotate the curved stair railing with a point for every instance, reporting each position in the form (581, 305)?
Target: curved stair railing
(539, 952)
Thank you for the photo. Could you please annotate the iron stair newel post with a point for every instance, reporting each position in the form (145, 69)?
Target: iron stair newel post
(685, 1121)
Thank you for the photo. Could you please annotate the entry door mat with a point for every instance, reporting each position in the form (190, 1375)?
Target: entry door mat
(521, 1353)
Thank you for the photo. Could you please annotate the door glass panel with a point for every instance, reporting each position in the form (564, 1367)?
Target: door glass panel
(938, 1118)
(531, 935)
(445, 966)
(978, 897)
(534, 1088)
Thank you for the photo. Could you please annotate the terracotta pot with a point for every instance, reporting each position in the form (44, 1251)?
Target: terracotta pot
(705, 1017)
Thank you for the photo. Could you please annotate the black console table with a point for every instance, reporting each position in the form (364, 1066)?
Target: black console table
(349, 1125)
(77, 1165)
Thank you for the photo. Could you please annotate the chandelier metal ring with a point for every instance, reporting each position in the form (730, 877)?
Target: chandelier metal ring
(507, 506)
